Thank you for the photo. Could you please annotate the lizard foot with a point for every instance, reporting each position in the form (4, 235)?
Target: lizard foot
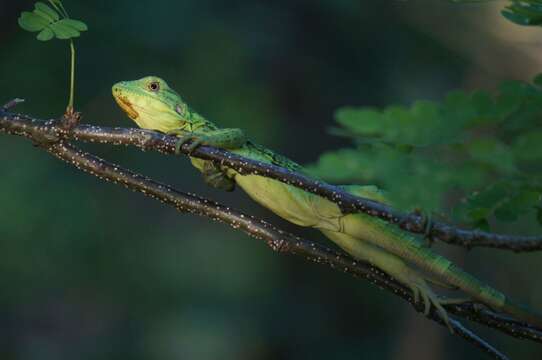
(421, 289)
(197, 140)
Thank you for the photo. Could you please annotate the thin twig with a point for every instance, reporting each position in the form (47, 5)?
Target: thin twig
(151, 140)
(412, 222)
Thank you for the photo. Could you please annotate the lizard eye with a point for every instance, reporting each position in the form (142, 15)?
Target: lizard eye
(154, 86)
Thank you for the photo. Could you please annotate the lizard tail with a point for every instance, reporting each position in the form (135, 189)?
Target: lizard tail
(409, 248)
(490, 296)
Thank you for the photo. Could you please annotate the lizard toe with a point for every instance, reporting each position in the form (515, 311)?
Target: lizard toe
(431, 299)
(182, 140)
(420, 288)
(415, 293)
(196, 141)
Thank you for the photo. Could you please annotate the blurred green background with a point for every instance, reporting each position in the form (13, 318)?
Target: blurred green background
(89, 270)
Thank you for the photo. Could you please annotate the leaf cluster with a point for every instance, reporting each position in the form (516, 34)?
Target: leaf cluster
(521, 12)
(51, 22)
(473, 155)
(524, 12)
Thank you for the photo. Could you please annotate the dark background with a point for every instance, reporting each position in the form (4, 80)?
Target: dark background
(89, 270)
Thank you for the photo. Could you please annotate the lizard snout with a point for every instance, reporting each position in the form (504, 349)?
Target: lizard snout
(118, 88)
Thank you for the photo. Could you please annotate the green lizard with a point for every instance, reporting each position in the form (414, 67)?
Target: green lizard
(153, 105)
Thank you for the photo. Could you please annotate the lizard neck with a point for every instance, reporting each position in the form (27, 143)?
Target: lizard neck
(198, 123)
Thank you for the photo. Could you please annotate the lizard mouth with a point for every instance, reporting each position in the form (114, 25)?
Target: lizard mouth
(126, 105)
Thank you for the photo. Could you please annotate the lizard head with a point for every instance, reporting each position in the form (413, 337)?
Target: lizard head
(151, 103)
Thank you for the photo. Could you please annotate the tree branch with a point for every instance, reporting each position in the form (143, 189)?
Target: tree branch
(50, 136)
(276, 239)
(151, 140)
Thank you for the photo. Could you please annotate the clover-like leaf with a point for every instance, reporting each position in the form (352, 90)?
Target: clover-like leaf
(50, 24)
(64, 30)
(45, 11)
(75, 24)
(45, 34)
(30, 21)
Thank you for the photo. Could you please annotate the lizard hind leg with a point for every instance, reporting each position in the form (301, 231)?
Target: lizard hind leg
(396, 268)
(215, 177)
(429, 298)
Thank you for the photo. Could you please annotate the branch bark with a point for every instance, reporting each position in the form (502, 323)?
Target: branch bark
(150, 140)
(276, 239)
(52, 138)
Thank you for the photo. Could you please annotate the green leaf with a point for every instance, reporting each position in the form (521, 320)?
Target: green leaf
(538, 80)
(482, 225)
(527, 147)
(29, 21)
(484, 106)
(45, 35)
(76, 24)
(63, 30)
(47, 12)
(479, 205)
(512, 208)
(431, 154)
(524, 12)
(50, 24)
(360, 121)
(343, 165)
(492, 152)
(516, 18)
(421, 124)
(489, 196)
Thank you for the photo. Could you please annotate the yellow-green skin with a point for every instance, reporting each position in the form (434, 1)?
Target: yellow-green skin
(152, 104)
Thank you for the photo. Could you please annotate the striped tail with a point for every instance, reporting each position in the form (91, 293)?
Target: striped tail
(426, 259)
(492, 297)
(410, 249)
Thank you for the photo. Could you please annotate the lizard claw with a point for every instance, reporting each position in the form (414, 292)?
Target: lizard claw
(431, 299)
(415, 293)
(178, 145)
(420, 288)
(197, 140)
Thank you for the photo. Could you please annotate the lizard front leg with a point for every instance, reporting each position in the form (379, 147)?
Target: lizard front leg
(224, 138)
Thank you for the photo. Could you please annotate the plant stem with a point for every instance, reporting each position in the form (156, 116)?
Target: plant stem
(60, 8)
(69, 109)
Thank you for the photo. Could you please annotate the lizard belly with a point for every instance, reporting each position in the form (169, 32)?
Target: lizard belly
(295, 205)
